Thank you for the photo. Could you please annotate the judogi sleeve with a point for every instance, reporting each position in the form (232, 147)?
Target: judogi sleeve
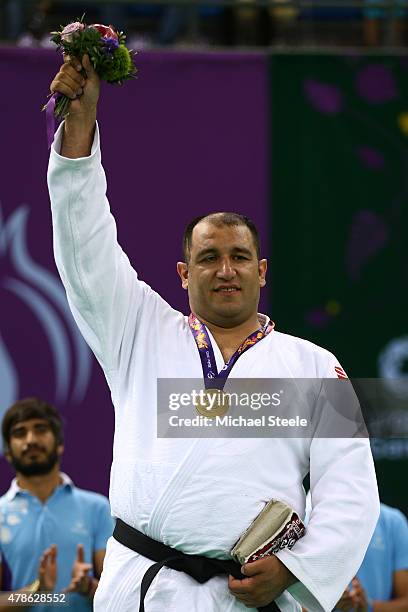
(103, 290)
(345, 509)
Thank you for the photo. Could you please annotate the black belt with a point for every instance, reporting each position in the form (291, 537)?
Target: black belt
(199, 568)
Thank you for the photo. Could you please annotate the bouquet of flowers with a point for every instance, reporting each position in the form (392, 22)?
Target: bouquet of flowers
(111, 59)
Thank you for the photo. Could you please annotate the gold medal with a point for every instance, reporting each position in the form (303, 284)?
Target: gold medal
(212, 403)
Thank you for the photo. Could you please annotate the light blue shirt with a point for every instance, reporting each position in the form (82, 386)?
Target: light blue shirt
(70, 516)
(387, 553)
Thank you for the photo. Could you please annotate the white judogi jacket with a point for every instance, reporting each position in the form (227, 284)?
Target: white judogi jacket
(198, 495)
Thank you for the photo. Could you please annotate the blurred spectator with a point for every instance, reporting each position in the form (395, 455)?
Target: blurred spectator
(283, 23)
(251, 24)
(246, 18)
(381, 584)
(384, 25)
(115, 14)
(330, 24)
(242, 23)
(53, 535)
(14, 18)
(37, 24)
(29, 23)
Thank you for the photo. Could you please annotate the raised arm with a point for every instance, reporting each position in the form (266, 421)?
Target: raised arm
(107, 300)
(80, 83)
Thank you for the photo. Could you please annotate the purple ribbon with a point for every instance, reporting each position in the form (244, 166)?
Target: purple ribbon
(50, 117)
(213, 378)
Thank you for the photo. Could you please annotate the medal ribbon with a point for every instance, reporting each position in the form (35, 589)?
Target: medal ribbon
(213, 378)
(49, 117)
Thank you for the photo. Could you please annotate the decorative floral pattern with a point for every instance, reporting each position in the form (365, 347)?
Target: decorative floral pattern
(207, 354)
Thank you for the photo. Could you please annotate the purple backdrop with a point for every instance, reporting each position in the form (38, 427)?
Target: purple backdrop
(189, 136)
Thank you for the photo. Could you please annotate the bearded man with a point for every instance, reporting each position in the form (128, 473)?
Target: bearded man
(53, 535)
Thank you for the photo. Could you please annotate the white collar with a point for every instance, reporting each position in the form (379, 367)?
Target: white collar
(15, 488)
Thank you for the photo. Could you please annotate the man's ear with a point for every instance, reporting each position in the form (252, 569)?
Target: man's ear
(60, 449)
(7, 455)
(182, 271)
(262, 267)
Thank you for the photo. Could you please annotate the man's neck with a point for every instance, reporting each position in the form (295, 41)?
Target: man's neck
(230, 338)
(41, 486)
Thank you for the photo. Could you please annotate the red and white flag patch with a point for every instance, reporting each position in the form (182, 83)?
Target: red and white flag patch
(340, 372)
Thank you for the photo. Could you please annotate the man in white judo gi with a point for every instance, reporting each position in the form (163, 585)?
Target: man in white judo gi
(198, 495)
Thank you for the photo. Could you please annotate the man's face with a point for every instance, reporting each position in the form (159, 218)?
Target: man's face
(33, 449)
(223, 275)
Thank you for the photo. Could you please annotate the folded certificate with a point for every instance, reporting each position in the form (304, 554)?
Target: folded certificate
(276, 527)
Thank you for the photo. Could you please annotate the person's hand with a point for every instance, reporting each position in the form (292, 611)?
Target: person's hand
(47, 570)
(266, 579)
(81, 581)
(358, 596)
(79, 82)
